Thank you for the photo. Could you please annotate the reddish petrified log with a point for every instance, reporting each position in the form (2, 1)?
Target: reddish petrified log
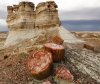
(57, 39)
(63, 73)
(40, 64)
(89, 46)
(46, 82)
(56, 50)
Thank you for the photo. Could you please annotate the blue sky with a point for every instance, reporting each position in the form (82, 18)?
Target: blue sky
(68, 9)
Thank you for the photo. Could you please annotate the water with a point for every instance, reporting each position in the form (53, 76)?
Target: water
(82, 25)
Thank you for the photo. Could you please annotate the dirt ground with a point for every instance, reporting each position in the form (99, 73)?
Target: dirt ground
(13, 70)
(13, 67)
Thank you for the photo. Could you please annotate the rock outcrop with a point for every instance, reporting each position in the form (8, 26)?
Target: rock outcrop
(23, 19)
(26, 16)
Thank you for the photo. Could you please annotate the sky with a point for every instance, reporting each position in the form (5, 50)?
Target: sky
(68, 9)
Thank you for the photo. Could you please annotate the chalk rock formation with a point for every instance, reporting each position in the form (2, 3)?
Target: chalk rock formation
(23, 19)
(46, 13)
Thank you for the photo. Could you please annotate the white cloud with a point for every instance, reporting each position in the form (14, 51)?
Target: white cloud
(83, 14)
(3, 25)
(71, 5)
(3, 22)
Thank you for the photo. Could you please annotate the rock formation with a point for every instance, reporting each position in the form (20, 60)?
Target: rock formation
(23, 19)
(26, 25)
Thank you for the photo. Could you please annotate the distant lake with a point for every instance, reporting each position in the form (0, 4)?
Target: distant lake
(82, 25)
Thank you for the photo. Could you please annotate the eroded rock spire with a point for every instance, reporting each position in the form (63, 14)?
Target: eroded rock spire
(24, 18)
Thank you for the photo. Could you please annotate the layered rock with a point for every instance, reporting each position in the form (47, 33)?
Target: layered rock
(46, 13)
(24, 15)
(21, 16)
(23, 19)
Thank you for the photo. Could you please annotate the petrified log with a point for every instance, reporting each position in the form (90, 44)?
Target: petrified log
(56, 50)
(63, 73)
(89, 46)
(57, 39)
(40, 64)
(46, 82)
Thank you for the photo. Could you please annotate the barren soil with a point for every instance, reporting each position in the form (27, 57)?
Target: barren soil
(13, 69)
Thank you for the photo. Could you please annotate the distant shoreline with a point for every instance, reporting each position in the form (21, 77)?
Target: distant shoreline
(75, 25)
(81, 25)
(65, 28)
(79, 20)
(87, 31)
(3, 31)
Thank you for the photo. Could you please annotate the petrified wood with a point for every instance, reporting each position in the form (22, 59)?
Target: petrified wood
(40, 64)
(57, 39)
(56, 50)
(63, 73)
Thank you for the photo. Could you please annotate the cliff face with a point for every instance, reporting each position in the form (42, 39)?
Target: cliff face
(47, 14)
(26, 16)
(25, 21)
